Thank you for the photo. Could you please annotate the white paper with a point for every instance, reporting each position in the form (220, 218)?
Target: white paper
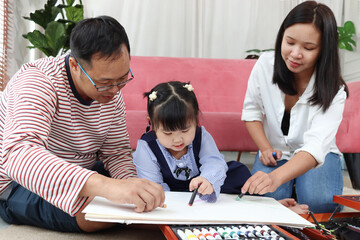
(227, 210)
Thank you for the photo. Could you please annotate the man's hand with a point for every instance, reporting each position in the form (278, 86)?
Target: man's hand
(144, 194)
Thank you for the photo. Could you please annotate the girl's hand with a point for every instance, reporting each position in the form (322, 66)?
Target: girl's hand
(203, 185)
(267, 157)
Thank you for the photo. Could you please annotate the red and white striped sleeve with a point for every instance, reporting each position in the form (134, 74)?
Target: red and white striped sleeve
(116, 151)
(31, 103)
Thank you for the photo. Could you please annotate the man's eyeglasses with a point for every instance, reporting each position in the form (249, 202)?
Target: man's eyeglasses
(106, 88)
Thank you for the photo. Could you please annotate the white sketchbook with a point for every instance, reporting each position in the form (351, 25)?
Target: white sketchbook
(227, 210)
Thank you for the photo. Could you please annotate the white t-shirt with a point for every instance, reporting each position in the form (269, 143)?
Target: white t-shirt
(310, 130)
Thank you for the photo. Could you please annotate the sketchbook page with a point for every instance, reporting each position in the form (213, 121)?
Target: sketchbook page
(227, 210)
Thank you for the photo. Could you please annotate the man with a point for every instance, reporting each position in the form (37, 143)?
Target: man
(58, 116)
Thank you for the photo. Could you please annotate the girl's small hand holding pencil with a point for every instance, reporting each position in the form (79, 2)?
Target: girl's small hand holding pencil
(199, 185)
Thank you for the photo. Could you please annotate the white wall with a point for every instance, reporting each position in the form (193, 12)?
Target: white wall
(351, 60)
(18, 53)
(199, 28)
(196, 28)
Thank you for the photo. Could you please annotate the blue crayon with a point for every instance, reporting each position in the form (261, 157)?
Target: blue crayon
(274, 155)
(242, 230)
(237, 230)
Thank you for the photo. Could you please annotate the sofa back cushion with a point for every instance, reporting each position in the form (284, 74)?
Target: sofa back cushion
(220, 86)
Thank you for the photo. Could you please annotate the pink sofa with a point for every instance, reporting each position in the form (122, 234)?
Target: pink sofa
(220, 85)
(348, 136)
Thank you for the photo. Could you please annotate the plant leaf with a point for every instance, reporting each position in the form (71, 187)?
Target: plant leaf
(55, 35)
(75, 13)
(68, 29)
(57, 32)
(253, 50)
(352, 42)
(348, 47)
(43, 16)
(345, 36)
(70, 2)
(349, 27)
(39, 41)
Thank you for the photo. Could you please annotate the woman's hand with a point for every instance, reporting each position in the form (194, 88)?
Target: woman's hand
(267, 157)
(203, 185)
(261, 183)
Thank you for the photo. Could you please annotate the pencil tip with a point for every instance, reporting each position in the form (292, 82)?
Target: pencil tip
(239, 196)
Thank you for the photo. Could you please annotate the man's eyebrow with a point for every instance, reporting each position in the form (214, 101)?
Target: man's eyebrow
(127, 73)
(110, 79)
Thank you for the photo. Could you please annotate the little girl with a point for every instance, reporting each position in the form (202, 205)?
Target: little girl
(180, 155)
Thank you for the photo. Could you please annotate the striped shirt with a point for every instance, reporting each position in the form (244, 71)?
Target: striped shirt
(50, 137)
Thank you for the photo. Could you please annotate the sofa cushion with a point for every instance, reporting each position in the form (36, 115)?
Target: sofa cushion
(220, 86)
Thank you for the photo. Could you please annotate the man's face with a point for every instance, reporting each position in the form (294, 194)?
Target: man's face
(103, 72)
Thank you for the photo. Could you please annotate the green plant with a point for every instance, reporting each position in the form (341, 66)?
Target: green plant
(345, 35)
(255, 53)
(57, 28)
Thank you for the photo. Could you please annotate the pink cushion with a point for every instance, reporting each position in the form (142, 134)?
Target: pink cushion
(220, 86)
(348, 136)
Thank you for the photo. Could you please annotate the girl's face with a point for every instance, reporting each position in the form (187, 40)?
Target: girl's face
(300, 48)
(176, 141)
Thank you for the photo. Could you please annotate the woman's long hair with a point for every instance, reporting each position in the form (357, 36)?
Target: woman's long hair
(328, 79)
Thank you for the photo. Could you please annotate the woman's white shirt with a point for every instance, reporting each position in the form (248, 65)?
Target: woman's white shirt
(311, 129)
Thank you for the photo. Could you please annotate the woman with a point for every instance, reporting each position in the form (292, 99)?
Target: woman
(293, 108)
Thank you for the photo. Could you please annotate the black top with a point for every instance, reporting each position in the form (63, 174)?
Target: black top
(285, 123)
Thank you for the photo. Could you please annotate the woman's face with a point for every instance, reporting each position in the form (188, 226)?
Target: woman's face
(300, 48)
